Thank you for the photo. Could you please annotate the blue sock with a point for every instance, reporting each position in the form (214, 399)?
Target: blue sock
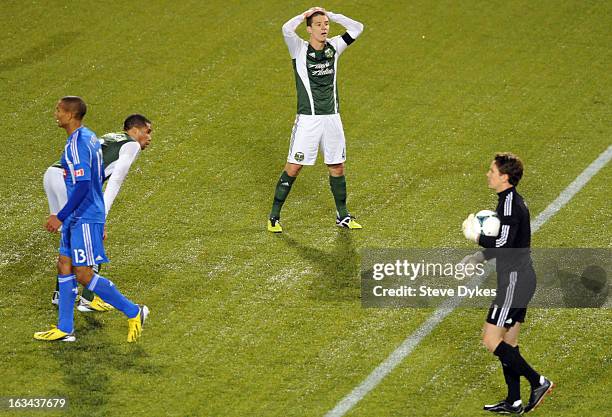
(107, 291)
(67, 294)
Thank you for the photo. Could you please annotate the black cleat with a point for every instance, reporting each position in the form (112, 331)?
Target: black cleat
(538, 394)
(505, 407)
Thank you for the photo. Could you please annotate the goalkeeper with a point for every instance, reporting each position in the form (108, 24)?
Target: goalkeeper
(516, 283)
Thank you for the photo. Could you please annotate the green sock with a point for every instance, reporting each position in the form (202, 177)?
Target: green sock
(87, 294)
(338, 189)
(280, 194)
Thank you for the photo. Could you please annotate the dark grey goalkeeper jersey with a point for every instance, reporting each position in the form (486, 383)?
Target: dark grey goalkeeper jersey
(514, 233)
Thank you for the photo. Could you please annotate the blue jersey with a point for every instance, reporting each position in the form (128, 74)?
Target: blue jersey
(82, 161)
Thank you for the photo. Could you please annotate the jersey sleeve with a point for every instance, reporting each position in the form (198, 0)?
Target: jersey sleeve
(293, 41)
(127, 155)
(81, 157)
(353, 30)
(76, 198)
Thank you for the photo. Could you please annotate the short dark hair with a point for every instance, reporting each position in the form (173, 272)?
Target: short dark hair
(135, 120)
(317, 13)
(511, 165)
(75, 105)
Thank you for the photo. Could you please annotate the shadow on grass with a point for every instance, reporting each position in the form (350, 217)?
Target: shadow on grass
(338, 271)
(40, 52)
(89, 366)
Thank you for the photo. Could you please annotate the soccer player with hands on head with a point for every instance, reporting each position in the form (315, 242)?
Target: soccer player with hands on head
(82, 221)
(516, 282)
(318, 123)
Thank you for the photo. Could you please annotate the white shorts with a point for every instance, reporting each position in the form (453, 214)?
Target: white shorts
(55, 188)
(311, 131)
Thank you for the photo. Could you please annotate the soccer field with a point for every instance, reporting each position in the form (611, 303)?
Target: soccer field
(247, 323)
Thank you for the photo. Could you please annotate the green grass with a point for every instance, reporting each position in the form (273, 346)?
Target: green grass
(248, 324)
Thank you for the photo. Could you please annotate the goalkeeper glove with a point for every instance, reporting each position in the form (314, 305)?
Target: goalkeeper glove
(470, 228)
(474, 259)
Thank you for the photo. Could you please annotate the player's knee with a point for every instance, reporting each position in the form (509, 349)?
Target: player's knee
(491, 341)
(337, 170)
(293, 169)
(83, 275)
(512, 341)
(83, 280)
(64, 265)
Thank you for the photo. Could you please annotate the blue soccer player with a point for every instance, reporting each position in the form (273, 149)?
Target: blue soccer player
(82, 221)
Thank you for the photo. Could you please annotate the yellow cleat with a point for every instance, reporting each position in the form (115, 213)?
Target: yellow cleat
(97, 304)
(348, 222)
(55, 335)
(135, 324)
(274, 225)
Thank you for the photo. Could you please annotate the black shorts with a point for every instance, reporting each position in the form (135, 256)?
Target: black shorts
(514, 291)
(510, 317)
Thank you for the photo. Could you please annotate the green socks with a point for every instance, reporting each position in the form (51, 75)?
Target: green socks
(280, 195)
(87, 294)
(338, 189)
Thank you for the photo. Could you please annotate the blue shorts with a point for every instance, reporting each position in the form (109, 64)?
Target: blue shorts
(83, 242)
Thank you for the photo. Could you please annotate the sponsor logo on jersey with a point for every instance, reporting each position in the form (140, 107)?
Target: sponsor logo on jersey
(312, 54)
(323, 72)
(321, 69)
(320, 66)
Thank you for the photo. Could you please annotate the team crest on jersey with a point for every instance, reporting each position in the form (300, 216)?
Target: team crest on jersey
(299, 156)
(329, 53)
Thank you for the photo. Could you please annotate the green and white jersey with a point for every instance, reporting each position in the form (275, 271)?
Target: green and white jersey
(111, 148)
(316, 70)
(119, 151)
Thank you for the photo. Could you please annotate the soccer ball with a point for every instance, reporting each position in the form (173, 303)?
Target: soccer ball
(487, 223)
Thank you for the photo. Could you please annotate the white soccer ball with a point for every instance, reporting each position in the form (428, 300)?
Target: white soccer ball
(487, 223)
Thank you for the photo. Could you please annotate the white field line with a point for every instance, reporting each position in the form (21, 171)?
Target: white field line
(412, 341)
